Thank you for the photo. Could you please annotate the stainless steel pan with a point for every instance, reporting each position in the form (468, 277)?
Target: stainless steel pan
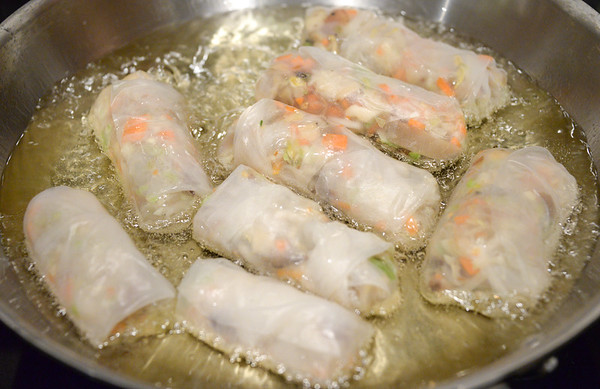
(557, 42)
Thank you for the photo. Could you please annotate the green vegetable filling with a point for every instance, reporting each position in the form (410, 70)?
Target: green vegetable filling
(415, 156)
(293, 154)
(472, 184)
(389, 144)
(384, 265)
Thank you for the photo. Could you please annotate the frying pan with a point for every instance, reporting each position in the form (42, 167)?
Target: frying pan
(557, 42)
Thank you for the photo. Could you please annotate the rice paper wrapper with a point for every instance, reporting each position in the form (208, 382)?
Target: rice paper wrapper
(278, 233)
(292, 333)
(88, 261)
(399, 115)
(388, 47)
(140, 124)
(491, 249)
(327, 162)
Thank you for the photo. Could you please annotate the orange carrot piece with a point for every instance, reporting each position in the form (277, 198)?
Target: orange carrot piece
(486, 57)
(467, 265)
(379, 51)
(380, 225)
(347, 172)
(277, 165)
(280, 244)
(445, 87)
(119, 327)
(411, 226)
(325, 42)
(311, 97)
(455, 141)
(134, 129)
(400, 74)
(155, 172)
(414, 123)
(335, 111)
(284, 58)
(345, 103)
(292, 274)
(341, 16)
(385, 87)
(461, 219)
(167, 134)
(343, 205)
(51, 279)
(290, 109)
(335, 141)
(315, 105)
(297, 62)
(299, 100)
(463, 128)
(395, 99)
(309, 63)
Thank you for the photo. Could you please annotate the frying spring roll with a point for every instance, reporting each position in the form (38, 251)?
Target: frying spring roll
(491, 248)
(388, 47)
(140, 124)
(329, 163)
(282, 329)
(89, 262)
(400, 114)
(284, 235)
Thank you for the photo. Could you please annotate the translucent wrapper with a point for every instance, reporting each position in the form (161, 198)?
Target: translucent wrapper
(140, 124)
(491, 249)
(89, 262)
(284, 235)
(270, 323)
(388, 47)
(329, 163)
(399, 114)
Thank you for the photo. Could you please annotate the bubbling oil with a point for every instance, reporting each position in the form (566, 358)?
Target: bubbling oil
(215, 63)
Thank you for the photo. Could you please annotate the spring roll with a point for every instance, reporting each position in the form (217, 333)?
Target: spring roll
(388, 47)
(140, 124)
(400, 115)
(491, 249)
(329, 163)
(88, 261)
(279, 233)
(301, 336)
